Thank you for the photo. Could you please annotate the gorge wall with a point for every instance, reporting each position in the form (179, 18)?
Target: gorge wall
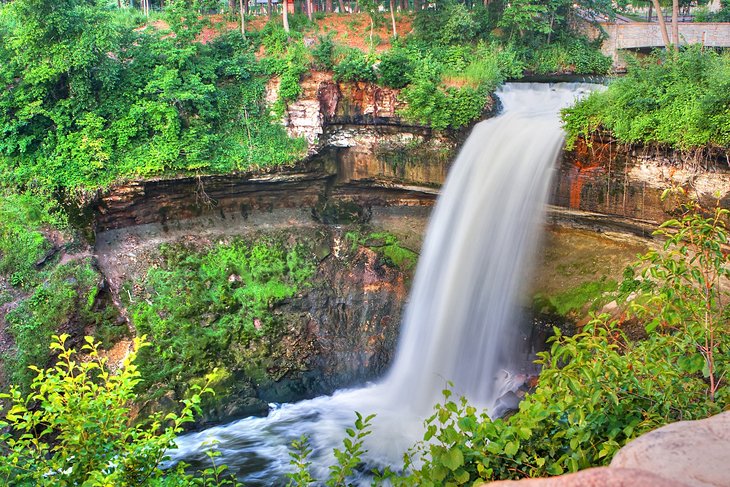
(369, 171)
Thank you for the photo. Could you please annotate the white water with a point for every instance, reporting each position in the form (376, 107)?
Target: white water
(460, 319)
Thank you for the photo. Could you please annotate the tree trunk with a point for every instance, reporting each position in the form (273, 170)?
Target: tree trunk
(268, 7)
(648, 18)
(310, 5)
(328, 6)
(662, 24)
(243, 19)
(285, 15)
(232, 6)
(392, 18)
(675, 24)
(342, 6)
(372, 28)
(416, 5)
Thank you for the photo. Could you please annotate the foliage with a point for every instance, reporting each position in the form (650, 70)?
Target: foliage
(22, 242)
(394, 68)
(88, 99)
(299, 454)
(451, 23)
(428, 102)
(348, 458)
(387, 245)
(570, 55)
(680, 101)
(355, 67)
(323, 53)
(197, 305)
(534, 22)
(74, 428)
(575, 300)
(680, 290)
(67, 294)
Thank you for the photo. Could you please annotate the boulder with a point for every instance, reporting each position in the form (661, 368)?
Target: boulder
(596, 477)
(694, 452)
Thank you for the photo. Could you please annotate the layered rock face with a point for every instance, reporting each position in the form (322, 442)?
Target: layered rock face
(366, 166)
(629, 182)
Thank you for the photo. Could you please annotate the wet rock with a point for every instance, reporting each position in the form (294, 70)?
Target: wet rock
(693, 452)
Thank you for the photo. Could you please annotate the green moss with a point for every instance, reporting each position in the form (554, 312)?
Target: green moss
(386, 245)
(58, 303)
(211, 308)
(585, 296)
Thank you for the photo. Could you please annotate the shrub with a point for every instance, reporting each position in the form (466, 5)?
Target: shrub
(323, 53)
(395, 68)
(75, 428)
(680, 101)
(355, 67)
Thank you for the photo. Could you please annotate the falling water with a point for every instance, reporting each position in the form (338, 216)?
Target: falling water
(460, 319)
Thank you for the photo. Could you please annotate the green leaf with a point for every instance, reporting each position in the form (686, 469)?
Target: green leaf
(511, 448)
(453, 458)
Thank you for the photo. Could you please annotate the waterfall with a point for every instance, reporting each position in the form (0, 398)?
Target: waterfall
(459, 323)
(460, 319)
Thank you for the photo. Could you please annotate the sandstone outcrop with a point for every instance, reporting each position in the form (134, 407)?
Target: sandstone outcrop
(596, 477)
(694, 452)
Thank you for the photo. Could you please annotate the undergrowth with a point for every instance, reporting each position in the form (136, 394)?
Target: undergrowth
(200, 307)
(680, 101)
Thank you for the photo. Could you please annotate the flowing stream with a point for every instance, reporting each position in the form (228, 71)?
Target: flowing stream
(460, 319)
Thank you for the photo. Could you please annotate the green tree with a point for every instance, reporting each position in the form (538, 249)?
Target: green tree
(681, 288)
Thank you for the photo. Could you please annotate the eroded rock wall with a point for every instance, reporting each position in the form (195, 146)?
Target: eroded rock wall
(629, 181)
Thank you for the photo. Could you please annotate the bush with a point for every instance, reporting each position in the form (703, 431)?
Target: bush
(355, 67)
(429, 103)
(449, 24)
(75, 428)
(680, 101)
(395, 68)
(323, 53)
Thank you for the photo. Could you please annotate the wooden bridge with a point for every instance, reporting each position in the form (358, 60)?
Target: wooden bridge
(645, 35)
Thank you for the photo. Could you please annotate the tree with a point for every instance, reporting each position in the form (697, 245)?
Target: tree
(681, 288)
(538, 20)
(675, 24)
(392, 18)
(662, 23)
(285, 14)
(243, 19)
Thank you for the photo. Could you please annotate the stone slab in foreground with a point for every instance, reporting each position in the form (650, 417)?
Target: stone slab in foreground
(596, 477)
(694, 452)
